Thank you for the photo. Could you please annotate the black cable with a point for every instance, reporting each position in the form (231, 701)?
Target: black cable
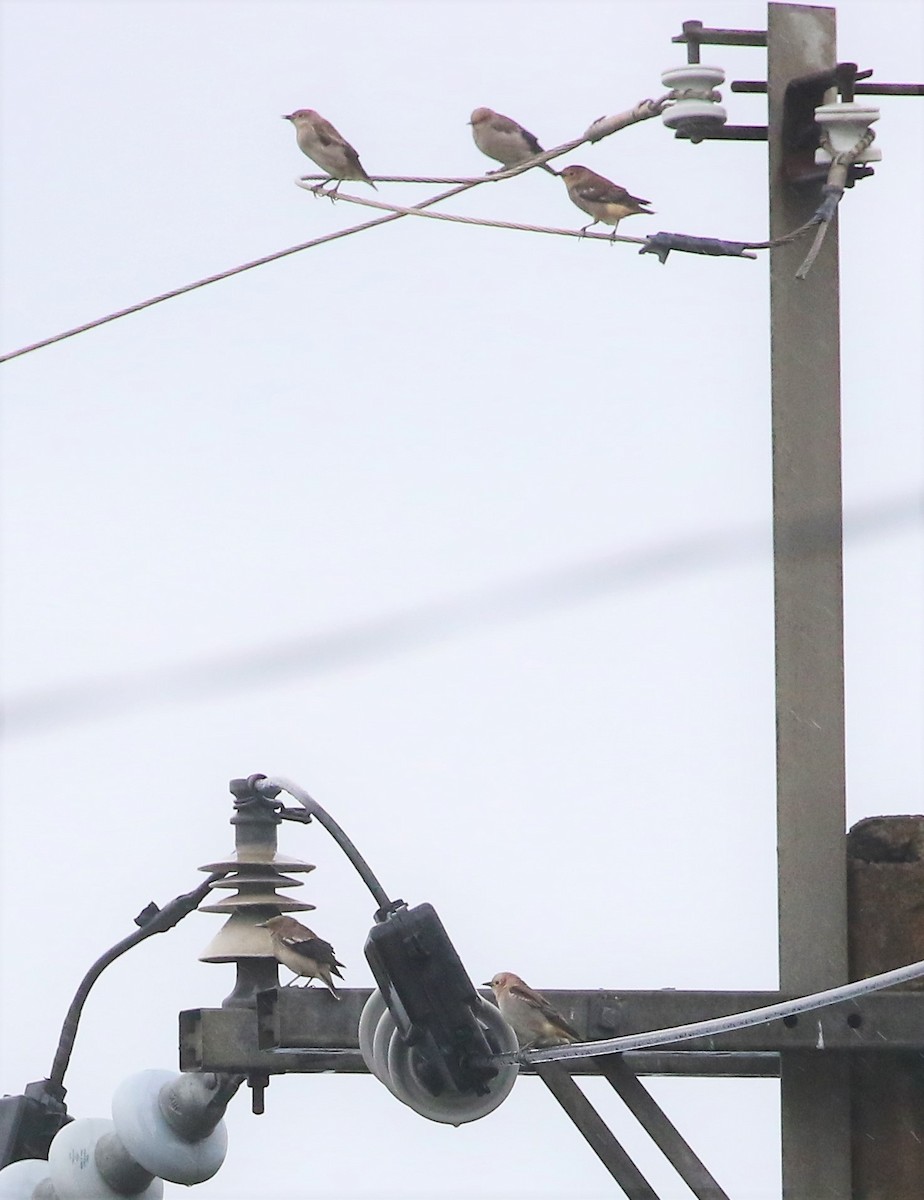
(151, 920)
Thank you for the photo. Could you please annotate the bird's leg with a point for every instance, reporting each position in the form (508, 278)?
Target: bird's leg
(613, 234)
(586, 227)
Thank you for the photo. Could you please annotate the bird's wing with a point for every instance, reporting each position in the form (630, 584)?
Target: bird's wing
(353, 158)
(502, 124)
(537, 1001)
(311, 947)
(532, 141)
(327, 135)
(505, 125)
(601, 191)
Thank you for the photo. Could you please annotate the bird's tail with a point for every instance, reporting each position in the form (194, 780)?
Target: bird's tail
(329, 984)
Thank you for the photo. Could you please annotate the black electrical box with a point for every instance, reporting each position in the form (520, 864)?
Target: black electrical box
(432, 999)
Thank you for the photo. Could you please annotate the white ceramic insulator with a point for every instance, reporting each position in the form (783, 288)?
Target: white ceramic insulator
(696, 108)
(152, 1141)
(19, 1180)
(845, 124)
(73, 1169)
(392, 1061)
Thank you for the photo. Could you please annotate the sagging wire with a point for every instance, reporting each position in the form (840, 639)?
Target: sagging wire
(417, 211)
(719, 1025)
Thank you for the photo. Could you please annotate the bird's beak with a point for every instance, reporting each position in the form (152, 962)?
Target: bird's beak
(287, 116)
(487, 983)
(260, 925)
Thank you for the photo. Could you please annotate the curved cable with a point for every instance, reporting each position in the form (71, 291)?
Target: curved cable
(272, 786)
(717, 1025)
(158, 921)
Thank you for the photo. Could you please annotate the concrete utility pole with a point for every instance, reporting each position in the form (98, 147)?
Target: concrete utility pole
(808, 597)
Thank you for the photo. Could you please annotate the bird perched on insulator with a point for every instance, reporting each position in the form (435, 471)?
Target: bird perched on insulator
(302, 951)
(504, 140)
(602, 199)
(532, 1018)
(331, 151)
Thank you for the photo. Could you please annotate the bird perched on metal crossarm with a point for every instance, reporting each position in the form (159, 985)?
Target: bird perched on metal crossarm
(532, 1018)
(302, 951)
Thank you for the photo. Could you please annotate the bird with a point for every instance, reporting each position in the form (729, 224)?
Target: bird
(533, 1019)
(322, 143)
(504, 140)
(600, 198)
(302, 951)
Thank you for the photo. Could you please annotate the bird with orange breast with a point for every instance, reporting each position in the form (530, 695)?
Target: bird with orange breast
(602, 199)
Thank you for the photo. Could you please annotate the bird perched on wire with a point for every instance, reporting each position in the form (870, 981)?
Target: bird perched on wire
(533, 1019)
(302, 951)
(600, 198)
(504, 140)
(325, 146)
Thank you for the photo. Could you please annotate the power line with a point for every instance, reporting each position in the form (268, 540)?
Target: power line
(598, 130)
(660, 244)
(413, 628)
(716, 1026)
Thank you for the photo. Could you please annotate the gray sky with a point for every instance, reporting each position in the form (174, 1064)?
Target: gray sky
(219, 514)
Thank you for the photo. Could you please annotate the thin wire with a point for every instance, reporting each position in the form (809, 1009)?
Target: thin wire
(718, 1025)
(515, 225)
(488, 177)
(599, 129)
(406, 630)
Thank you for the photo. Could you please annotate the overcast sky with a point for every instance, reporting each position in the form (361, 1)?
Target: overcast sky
(466, 531)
